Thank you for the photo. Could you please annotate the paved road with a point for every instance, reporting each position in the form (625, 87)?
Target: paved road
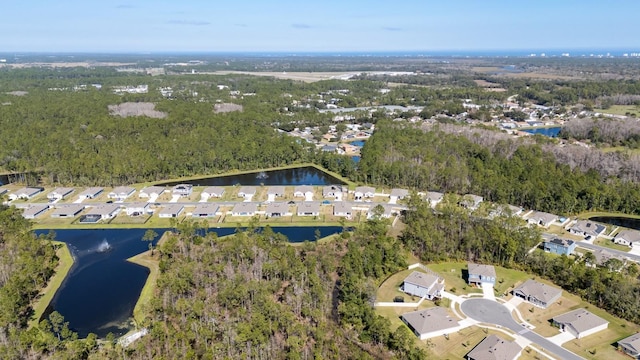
(492, 312)
(589, 246)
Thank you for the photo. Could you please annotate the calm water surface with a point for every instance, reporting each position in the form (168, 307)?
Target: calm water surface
(295, 176)
(101, 290)
(550, 132)
(618, 221)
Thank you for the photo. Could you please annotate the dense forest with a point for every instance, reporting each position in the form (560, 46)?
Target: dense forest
(507, 172)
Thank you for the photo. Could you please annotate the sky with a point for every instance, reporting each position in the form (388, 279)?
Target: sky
(138, 26)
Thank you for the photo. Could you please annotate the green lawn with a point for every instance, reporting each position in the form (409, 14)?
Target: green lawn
(64, 265)
(611, 245)
(620, 110)
(451, 272)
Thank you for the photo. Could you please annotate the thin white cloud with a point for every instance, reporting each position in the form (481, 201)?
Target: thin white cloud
(189, 22)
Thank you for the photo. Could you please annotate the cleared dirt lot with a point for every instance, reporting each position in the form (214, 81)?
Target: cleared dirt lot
(301, 76)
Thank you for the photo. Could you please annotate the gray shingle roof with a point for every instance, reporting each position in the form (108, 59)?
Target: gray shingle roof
(433, 319)
(495, 348)
(483, 270)
(538, 290)
(581, 320)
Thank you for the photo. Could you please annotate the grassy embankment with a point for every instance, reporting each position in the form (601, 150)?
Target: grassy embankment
(151, 262)
(65, 263)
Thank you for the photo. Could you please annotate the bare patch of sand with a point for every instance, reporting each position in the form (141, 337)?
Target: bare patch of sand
(226, 107)
(136, 109)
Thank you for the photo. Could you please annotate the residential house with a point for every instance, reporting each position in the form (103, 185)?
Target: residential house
(332, 191)
(205, 210)
(151, 192)
(277, 209)
(628, 237)
(90, 193)
(541, 218)
(537, 293)
(479, 274)
(560, 246)
(398, 194)
(184, 190)
(587, 228)
(304, 191)
(59, 193)
(171, 211)
(34, 211)
(138, 208)
(505, 210)
(386, 211)
(363, 192)
(308, 209)
(425, 285)
(580, 323)
(630, 345)
(603, 256)
(342, 208)
(275, 191)
(495, 348)
(247, 192)
(67, 211)
(471, 202)
(121, 192)
(430, 322)
(212, 192)
(244, 209)
(25, 193)
(103, 211)
(434, 198)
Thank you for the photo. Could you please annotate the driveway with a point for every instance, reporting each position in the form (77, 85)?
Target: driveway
(487, 291)
(492, 312)
(561, 338)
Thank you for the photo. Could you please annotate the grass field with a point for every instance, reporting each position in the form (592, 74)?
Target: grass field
(65, 263)
(620, 110)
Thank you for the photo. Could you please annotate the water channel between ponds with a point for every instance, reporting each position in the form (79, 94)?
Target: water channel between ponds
(102, 288)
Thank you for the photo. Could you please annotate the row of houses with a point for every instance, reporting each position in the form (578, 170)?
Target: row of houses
(207, 210)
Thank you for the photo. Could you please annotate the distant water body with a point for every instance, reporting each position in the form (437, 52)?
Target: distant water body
(550, 131)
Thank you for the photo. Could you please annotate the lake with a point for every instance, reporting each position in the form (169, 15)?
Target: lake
(102, 288)
(295, 176)
(626, 222)
(550, 131)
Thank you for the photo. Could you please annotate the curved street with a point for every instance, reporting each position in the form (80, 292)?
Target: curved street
(492, 312)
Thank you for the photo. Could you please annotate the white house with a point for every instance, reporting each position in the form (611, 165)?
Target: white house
(398, 194)
(34, 211)
(430, 322)
(342, 208)
(277, 209)
(425, 285)
(206, 210)
(171, 211)
(59, 193)
(308, 209)
(151, 192)
(67, 211)
(332, 191)
(275, 191)
(247, 192)
(90, 193)
(362, 192)
(244, 209)
(587, 228)
(304, 191)
(104, 211)
(212, 192)
(628, 237)
(471, 201)
(580, 323)
(139, 208)
(434, 198)
(386, 213)
(183, 190)
(25, 193)
(121, 192)
(541, 218)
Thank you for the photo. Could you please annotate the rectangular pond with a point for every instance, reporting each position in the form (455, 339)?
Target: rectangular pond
(294, 176)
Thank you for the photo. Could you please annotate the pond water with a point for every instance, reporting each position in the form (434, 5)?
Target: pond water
(550, 131)
(618, 221)
(295, 176)
(358, 143)
(101, 290)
